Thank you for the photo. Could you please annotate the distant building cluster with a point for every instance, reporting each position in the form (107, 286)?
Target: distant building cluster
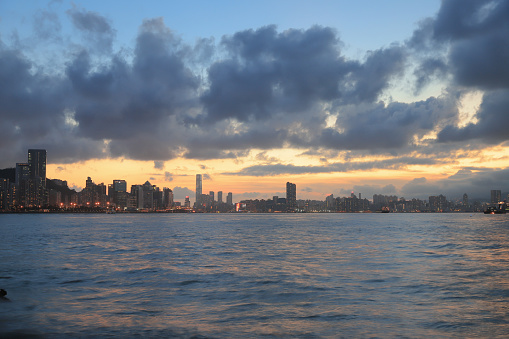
(26, 188)
(208, 203)
(356, 204)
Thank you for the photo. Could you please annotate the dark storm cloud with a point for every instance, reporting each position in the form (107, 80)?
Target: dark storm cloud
(32, 106)
(386, 127)
(428, 70)
(138, 99)
(257, 89)
(474, 40)
(269, 73)
(491, 126)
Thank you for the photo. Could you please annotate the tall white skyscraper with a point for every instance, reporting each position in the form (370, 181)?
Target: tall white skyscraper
(198, 189)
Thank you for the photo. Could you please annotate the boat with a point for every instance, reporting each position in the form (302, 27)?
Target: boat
(500, 208)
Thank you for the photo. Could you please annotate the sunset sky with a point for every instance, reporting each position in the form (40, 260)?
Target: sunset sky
(406, 98)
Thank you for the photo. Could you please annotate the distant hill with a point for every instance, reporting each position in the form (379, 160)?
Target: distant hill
(8, 173)
(66, 191)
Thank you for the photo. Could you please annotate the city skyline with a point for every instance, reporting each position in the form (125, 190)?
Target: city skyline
(26, 188)
(395, 98)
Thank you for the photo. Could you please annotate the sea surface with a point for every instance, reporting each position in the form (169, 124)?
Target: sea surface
(254, 275)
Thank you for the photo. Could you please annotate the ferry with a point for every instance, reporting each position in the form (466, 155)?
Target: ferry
(498, 209)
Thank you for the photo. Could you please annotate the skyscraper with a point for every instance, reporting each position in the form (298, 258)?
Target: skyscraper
(22, 184)
(198, 189)
(496, 196)
(119, 186)
(119, 193)
(167, 197)
(229, 198)
(220, 196)
(37, 165)
(291, 195)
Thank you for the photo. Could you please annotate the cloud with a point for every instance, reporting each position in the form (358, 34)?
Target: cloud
(477, 32)
(290, 169)
(420, 187)
(489, 128)
(159, 165)
(168, 176)
(269, 73)
(388, 127)
(257, 89)
(95, 28)
(180, 193)
(47, 25)
(470, 40)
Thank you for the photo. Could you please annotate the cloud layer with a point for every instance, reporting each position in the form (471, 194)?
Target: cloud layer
(255, 89)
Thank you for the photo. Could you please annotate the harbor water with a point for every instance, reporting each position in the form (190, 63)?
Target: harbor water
(254, 275)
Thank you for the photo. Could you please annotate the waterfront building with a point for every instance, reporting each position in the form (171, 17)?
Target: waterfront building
(22, 184)
(330, 203)
(167, 197)
(136, 197)
(148, 196)
(118, 193)
(5, 194)
(198, 189)
(220, 196)
(93, 195)
(438, 203)
(37, 165)
(229, 198)
(496, 196)
(291, 196)
(55, 198)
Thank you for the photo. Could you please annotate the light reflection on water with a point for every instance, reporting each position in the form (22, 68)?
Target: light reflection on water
(226, 276)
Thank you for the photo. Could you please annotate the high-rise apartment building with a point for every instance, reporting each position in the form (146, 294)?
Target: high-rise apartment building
(198, 189)
(37, 162)
(229, 198)
(37, 165)
(119, 186)
(220, 196)
(496, 196)
(167, 197)
(118, 194)
(291, 195)
(22, 184)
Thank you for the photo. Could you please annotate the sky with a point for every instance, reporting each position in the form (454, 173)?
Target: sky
(406, 98)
